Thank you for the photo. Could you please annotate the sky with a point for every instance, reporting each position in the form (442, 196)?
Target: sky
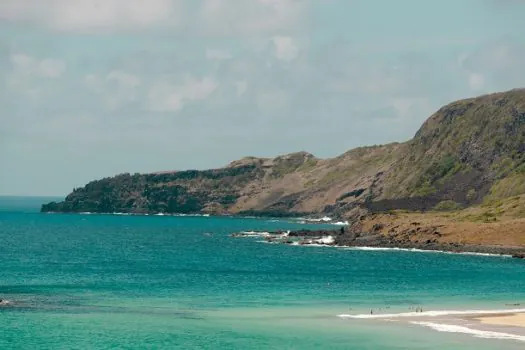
(94, 88)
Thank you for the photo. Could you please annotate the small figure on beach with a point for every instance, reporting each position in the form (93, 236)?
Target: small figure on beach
(371, 312)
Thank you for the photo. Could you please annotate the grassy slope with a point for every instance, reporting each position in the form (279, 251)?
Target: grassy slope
(499, 223)
(462, 149)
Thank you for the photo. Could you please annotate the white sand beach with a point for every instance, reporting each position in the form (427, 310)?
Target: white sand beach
(513, 319)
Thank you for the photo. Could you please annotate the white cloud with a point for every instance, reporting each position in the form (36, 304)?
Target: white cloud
(167, 97)
(117, 87)
(222, 17)
(51, 68)
(500, 56)
(285, 48)
(208, 17)
(125, 91)
(86, 15)
(494, 66)
(476, 81)
(124, 79)
(29, 66)
(21, 61)
(26, 71)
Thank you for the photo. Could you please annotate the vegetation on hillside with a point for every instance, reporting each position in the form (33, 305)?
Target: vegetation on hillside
(468, 153)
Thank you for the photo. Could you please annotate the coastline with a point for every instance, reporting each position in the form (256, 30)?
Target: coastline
(345, 238)
(404, 232)
(457, 231)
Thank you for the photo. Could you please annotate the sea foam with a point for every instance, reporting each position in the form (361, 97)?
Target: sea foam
(425, 251)
(474, 332)
(341, 223)
(255, 234)
(432, 313)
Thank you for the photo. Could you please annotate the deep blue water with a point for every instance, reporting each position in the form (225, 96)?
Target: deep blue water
(106, 281)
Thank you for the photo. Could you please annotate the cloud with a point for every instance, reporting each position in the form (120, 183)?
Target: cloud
(29, 66)
(30, 76)
(89, 15)
(285, 48)
(117, 88)
(501, 64)
(123, 88)
(124, 79)
(476, 81)
(243, 17)
(165, 96)
(208, 17)
(219, 55)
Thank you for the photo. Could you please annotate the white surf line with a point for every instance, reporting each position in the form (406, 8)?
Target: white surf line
(394, 249)
(433, 313)
(328, 241)
(416, 250)
(255, 234)
(474, 332)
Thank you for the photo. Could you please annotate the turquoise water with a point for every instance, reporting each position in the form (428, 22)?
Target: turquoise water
(137, 282)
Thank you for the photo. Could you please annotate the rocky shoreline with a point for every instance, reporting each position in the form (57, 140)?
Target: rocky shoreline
(345, 237)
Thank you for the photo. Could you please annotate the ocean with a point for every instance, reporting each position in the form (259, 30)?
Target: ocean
(164, 282)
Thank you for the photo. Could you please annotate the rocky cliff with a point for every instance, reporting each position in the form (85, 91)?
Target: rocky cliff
(467, 152)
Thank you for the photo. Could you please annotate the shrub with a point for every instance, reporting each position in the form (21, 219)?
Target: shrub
(447, 205)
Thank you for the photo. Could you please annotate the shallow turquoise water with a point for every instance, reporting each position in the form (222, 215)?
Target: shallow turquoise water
(101, 281)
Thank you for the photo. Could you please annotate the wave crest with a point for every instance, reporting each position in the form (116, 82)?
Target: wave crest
(432, 313)
(474, 332)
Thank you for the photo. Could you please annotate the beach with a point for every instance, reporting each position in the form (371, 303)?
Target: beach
(504, 319)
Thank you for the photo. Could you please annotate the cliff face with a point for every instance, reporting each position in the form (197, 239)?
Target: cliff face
(466, 152)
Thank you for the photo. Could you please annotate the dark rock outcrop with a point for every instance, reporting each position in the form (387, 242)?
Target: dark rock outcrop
(351, 238)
